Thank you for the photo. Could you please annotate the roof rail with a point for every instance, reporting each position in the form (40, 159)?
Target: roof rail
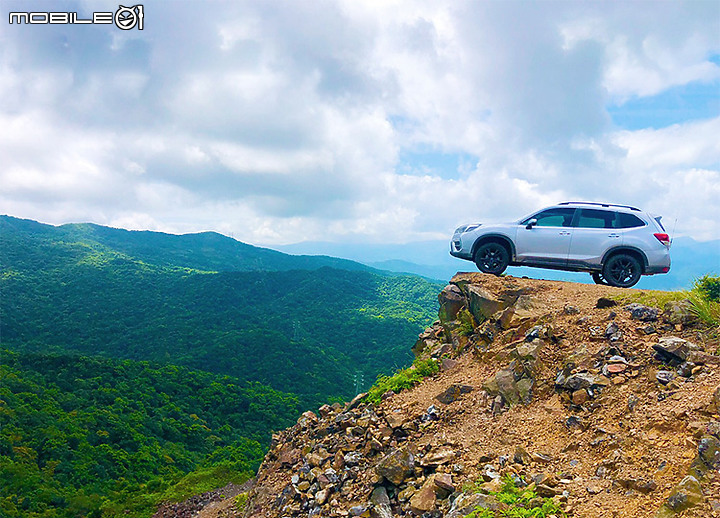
(599, 204)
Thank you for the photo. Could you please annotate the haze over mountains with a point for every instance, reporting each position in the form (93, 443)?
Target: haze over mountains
(690, 259)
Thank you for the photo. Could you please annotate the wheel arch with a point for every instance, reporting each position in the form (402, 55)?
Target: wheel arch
(495, 238)
(630, 250)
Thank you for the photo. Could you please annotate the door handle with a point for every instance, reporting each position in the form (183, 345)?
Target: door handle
(613, 235)
(564, 233)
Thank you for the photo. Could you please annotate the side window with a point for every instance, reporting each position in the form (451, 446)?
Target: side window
(628, 221)
(554, 218)
(593, 218)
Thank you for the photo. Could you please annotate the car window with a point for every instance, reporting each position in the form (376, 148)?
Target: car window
(628, 221)
(593, 218)
(553, 218)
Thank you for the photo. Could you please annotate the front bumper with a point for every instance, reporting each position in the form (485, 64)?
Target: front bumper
(456, 249)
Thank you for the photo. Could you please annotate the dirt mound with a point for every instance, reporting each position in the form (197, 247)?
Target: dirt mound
(609, 410)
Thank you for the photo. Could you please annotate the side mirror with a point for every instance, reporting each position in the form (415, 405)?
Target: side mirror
(531, 224)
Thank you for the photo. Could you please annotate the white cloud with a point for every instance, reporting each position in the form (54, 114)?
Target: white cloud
(284, 122)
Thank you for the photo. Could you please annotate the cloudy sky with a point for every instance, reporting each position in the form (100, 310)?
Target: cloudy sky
(366, 121)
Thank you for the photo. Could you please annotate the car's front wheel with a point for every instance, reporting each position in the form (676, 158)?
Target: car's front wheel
(622, 270)
(492, 258)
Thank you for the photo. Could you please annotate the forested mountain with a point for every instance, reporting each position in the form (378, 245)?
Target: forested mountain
(310, 332)
(240, 339)
(93, 437)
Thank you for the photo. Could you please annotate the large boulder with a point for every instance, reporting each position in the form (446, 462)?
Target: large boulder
(674, 350)
(451, 301)
(482, 304)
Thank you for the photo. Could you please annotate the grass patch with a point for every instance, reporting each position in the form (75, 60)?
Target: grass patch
(402, 379)
(652, 298)
(520, 502)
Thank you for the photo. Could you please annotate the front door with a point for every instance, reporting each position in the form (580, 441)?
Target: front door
(548, 241)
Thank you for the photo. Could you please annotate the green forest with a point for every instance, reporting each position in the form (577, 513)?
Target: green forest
(138, 367)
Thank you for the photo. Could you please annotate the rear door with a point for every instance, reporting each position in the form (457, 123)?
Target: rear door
(594, 234)
(547, 242)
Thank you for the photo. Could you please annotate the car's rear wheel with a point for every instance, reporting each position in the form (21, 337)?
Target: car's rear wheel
(622, 270)
(492, 258)
(599, 279)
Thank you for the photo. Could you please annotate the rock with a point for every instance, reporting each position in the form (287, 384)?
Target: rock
(642, 313)
(673, 350)
(685, 495)
(380, 504)
(396, 466)
(317, 458)
(612, 332)
(307, 419)
(453, 393)
(524, 388)
(451, 301)
(679, 312)
(355, 402)
(580, 397)
(424, 500)
(444, 485)
(603, 303)
(582, 380)
(594, 487)
(665, 377)
(482, 304)
(467, 503)
(709, 451)
(506, 387)
(447, 363)
(394, 420)
(357, 510)
(438, 456)
(570, 310)
(615, 368)
(322, 496)
(521, 456)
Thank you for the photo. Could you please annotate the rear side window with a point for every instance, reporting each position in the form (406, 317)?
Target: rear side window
(628, 221)
(592, 218)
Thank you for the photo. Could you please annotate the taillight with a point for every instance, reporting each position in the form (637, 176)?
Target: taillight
(663, 238)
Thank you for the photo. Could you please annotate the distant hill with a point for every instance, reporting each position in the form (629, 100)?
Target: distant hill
(208, 251)
(690, 259)
(316, 332)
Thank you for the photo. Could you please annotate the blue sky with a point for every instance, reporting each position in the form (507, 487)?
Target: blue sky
(360, 121)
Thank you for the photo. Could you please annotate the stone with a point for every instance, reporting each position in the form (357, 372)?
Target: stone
(507, 388)
(424, 500)
(357, 510)
(580, 397)
(664, 377)
(685, 495)
(604, 302)
(642, 313)
(444, 485)
(709, 451)
(438, 456)
(673, 350)
(582, 380)
(521, 456)
(453, 393)
(380, 503)
(465, 504)
(394, 420)
(612, 332)
(570, 310)
(322, 496)
(355, 402)
(451, 301)
(396, 466)
(447, 364)
(679, 312)
(616, 368)
(317, 458)
(307, 419)
(524, 388)
(482, 304)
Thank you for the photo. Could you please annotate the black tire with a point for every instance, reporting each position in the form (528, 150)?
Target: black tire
(492, 258)
(622, 271)
(598, 278)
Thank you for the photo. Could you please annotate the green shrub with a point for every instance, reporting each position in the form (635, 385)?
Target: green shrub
(402, 379)
(709, 285)
(521, 502)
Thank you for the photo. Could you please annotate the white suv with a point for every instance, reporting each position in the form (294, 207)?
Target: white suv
(615, 243)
